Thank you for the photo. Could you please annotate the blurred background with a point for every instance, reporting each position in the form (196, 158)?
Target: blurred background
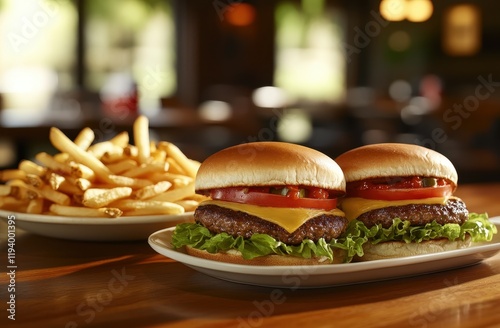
(329, 74)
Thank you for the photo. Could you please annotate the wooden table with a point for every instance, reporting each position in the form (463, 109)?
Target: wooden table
(61, 283)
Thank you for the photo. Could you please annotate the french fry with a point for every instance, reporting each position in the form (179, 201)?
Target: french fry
(174, 167)
(112, 157)
(5, 190)
(82, 184)
(122, 166)
(132, 204)
(22, 193)
(197, 197)
(178, 180)
(99, 149)
(170, 210)
(81, 171)
(131, 151)
(10, 174)
(13, 204)
(35, 206)
(153, 190)
(175, 194)
(188, 204)
(85, 138)
(64, 144)
(87, 212)
(133, 183)
(30, 167)
(54, 180)
(54, 195)
(141, 138)
(49, 162)
(62, 157)
(145, 169)
(121, 139)
(34, 180)
(159, 156)
(187, 165)
(96, 198)
(152, 147)
(70, 189)
(21, 190)
(148, 207)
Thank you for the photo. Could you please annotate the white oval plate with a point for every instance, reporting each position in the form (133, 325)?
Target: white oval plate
(94, 229)
(331, 274)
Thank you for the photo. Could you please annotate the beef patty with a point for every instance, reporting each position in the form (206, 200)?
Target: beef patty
(454, 211)
(236, 223)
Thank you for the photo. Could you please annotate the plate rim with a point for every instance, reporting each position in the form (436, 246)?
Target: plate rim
(180, 254)
(122, 220)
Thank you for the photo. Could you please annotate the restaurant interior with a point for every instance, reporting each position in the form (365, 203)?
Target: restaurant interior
(328, 74)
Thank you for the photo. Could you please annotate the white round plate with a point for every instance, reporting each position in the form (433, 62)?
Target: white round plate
(327, 275)
(94, 229)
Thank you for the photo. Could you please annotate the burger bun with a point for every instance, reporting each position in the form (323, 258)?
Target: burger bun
(395, 160)
(234, 257)
(269, 164)
(398, 249)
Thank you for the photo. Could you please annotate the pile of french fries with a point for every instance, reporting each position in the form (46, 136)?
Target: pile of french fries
(110, 178)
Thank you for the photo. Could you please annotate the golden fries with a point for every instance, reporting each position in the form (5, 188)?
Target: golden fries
(85, 211)
(153, 190)
(85, 138)
(96, 198)
(175, 194)
(148, 207)
(7, 175)
(188, 166)
(141, 139)
(64, 144)
(108, 179)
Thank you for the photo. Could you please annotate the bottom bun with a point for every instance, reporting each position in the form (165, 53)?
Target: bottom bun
(395, 249)
(235, 257)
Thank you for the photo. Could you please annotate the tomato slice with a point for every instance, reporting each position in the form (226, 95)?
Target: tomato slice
(402, 194)
(246, 196)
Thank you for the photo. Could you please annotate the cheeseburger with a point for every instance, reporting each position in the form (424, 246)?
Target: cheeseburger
(400, 198)
(270, 203)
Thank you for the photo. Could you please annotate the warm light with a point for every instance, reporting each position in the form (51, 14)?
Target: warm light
(270, 97)
(240, 14)
(214, 110)
(462, 30)
(412, 10)
(419, 10)
(393, 10)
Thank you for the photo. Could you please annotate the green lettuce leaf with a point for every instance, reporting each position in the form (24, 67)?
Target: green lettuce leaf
(195, 235)
(477, 226)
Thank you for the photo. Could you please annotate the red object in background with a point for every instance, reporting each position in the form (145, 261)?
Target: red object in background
(124, 106)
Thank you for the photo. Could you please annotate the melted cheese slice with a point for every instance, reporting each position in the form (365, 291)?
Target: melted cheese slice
(355, 206)
(288, 218)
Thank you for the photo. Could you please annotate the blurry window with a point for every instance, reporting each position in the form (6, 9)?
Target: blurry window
(37, 51)
(124, 40)
(310, 63)
(131, 39)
